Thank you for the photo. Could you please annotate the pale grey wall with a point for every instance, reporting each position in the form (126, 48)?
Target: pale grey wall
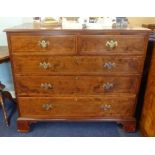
(5, 68)
(6, 22)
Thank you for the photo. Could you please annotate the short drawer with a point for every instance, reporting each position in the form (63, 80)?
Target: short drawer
(111, 44)
(79, 65)
(72, 107)
(54, 45)
(75, 85)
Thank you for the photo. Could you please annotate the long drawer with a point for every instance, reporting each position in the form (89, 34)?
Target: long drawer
(70, 107)
(55, 45)
(77, 65)
(111, 44)
(75, 85)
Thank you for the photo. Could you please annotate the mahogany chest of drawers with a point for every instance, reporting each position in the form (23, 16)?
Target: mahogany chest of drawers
(77, 74)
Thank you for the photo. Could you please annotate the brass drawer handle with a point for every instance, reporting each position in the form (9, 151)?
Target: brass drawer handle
(106, 107)
(111, 44)
(77, 60)
(108, 86)
(75, 99)
(45, 65)
(46, 86)
(47, 106)
(76, 78)
(43, 43)
(109, 65)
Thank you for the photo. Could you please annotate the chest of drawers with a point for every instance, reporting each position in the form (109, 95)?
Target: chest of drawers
(77, 75)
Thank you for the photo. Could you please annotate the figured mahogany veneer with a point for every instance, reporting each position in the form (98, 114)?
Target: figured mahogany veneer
(77, 75)
(77, 65)
(71, 107)
(75, 85)
(56, 44)
(96, 45)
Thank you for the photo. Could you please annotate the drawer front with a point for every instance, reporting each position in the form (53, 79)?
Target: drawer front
(53, 45)
(69, 107)
(79, 65)
(110, 44)
(75, 85)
